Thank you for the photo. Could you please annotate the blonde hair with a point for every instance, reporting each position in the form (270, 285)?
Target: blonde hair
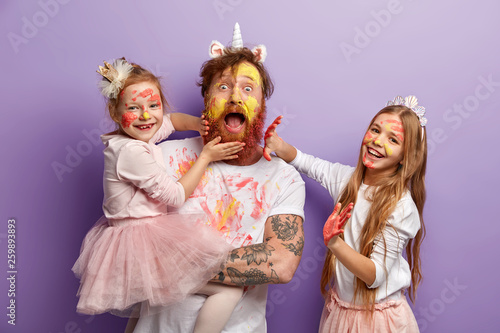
(385, 196)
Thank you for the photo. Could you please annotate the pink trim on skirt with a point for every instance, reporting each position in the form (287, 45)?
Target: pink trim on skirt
(391, 316)
(156, 261)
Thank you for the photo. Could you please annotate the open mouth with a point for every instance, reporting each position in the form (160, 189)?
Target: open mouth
(374, 153)
(234, 122)
(144, 127)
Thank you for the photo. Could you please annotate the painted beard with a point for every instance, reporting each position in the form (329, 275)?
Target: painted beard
(236, 115)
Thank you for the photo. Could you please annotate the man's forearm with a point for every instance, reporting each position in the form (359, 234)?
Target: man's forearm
(273, 261)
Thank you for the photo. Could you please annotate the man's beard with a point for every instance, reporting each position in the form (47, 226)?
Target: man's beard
(251, 136)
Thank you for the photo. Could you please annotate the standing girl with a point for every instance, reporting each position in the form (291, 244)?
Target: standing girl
(137, 253)
(365, 275)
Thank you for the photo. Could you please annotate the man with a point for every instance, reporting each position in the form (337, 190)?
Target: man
(256, 204)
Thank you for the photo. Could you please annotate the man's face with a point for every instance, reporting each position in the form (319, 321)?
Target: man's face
(235, 107)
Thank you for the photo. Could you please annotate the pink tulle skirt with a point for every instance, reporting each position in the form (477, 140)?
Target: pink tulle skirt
(388, 317)
(155, 261)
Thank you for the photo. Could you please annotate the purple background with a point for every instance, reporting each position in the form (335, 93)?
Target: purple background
(445, 52)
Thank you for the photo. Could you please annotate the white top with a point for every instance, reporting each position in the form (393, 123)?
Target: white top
(238, 201)
(135, 180)
(402, 225)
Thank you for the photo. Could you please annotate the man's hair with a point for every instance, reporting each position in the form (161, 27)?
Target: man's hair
(230, 59)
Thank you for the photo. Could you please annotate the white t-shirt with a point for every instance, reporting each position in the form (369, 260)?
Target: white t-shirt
(237, 200)
(405, 221)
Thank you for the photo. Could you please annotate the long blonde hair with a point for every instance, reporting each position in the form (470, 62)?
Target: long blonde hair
(385, 196)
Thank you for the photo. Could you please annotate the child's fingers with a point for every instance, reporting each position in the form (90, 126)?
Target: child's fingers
(214, 141)
(267, 153)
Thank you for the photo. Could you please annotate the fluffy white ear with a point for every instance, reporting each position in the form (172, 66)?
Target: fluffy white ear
(216, 49)
(260, 53)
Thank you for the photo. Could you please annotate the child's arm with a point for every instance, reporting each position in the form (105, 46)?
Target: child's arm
(212, 151)
(356, 263)
(186, 122)
(274, 143)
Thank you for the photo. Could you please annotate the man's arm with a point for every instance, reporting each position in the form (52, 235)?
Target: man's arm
(273, 261)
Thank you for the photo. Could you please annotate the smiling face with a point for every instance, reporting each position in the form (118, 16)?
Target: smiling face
(140, 111)
(235, 107)
(382, 149)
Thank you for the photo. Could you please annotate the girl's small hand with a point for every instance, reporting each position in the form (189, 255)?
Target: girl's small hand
(203, 129)
(335, 223)
(215, 151)
(271, 139)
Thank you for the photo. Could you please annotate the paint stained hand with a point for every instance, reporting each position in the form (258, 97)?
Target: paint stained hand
(336, 221)
(215, 151)
(271, 139)
(204, 128)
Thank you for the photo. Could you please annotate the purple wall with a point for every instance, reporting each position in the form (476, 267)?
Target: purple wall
(334, 64)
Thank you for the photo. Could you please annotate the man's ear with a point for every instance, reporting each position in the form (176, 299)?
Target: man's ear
(216, 49)
(260, 53)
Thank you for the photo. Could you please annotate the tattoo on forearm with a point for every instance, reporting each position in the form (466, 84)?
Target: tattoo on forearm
(257, 253)
(251, 277)
(295, 248)
(221, 277)
(233, 256)
(286, 229)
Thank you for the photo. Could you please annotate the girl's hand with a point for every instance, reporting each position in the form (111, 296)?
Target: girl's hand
(203, 129)
(215, 151)
(272, 140)
(335, 223)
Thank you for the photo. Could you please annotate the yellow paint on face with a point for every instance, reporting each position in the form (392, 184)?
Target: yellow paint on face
(250, 71)
(388, 150)
(377, 142)
(216, 106)
(251, 105)
(146, 115)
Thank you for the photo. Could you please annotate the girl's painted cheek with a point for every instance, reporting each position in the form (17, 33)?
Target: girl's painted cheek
(368, 138)
(128, 118)
(368, 164)
(388, 150)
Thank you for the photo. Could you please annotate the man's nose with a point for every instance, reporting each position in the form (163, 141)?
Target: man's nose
(236, 97)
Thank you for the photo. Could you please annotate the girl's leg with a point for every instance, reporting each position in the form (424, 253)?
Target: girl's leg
(131, 325)
(217, 309)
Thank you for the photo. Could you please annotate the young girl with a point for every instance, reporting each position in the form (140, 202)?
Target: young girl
(137, 253)
(365, 259)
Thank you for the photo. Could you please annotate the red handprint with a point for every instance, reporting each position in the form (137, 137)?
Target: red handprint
(336, 221)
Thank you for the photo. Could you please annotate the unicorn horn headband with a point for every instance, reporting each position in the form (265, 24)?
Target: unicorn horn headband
(216, 49)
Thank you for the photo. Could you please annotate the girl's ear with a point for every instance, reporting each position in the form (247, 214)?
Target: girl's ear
(216, 49)
(260, 53)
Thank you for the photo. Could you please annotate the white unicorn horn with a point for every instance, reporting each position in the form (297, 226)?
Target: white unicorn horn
(237, 43)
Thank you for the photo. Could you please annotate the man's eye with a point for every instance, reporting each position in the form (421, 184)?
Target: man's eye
(224, 86)
(248, 89)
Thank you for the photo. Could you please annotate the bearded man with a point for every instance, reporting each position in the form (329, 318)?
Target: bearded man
(256, 204)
